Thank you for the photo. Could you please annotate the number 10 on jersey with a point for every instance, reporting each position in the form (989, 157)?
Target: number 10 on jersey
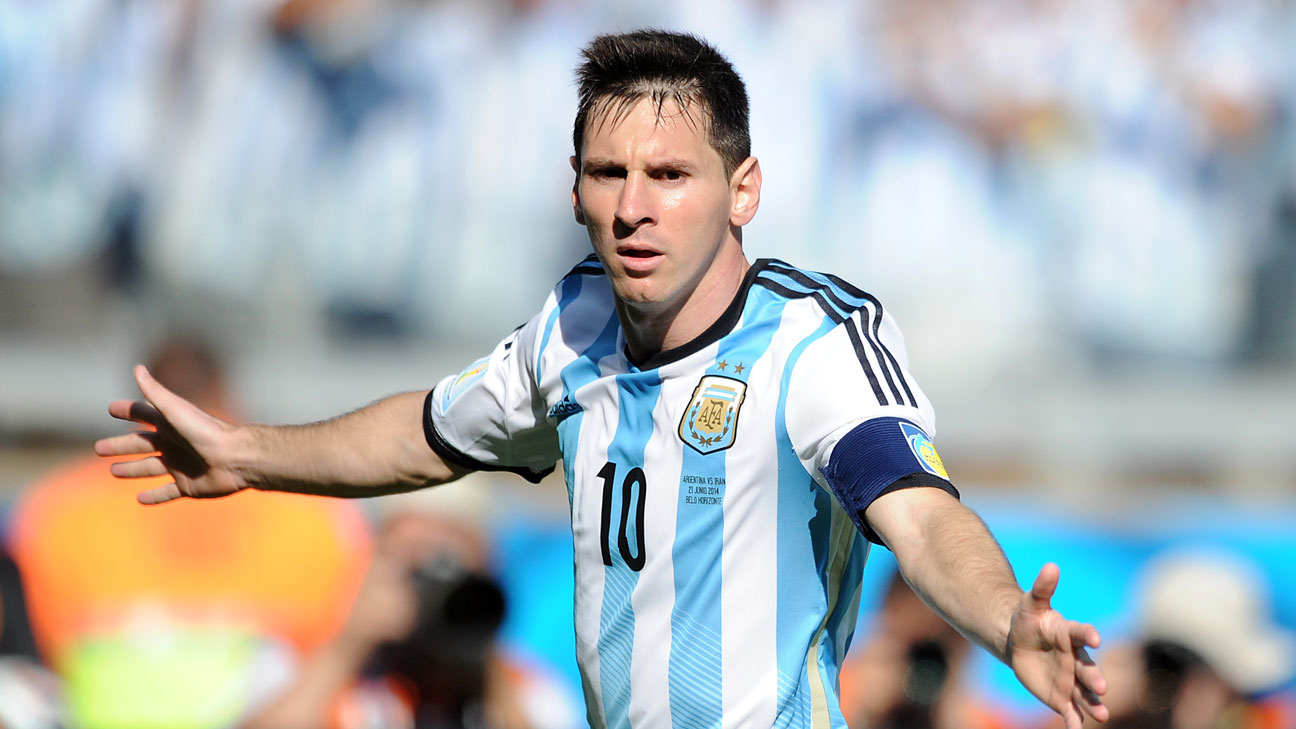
(634, 487)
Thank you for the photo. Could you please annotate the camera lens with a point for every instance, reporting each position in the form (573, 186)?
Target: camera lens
(474, 602)
(926, 673)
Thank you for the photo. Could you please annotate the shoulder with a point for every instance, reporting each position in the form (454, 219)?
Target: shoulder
(584, 292)
(833, 296)
(586, 282)
(580, 311)
(589, 266)
(854, 343)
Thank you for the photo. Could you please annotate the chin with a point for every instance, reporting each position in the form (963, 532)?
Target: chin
(637, 292)
(635, 295)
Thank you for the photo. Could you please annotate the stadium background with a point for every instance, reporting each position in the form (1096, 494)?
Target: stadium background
(1083, 215)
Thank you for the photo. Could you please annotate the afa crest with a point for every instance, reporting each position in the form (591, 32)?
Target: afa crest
(710, 421)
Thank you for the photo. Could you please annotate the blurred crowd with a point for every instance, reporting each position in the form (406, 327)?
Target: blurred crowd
(1113, 177)
(1202, 652)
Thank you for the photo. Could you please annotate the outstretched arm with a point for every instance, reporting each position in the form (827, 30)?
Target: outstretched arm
(379, 449)
(950, 559)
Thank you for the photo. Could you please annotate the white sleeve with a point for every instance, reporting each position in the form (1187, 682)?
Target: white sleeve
(855, 373)
(492, 415)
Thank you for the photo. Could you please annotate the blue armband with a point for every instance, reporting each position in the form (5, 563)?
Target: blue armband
(880, 456)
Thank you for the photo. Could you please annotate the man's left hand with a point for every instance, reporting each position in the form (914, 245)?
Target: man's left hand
(1050, 654)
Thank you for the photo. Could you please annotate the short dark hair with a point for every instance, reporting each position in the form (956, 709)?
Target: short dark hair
(620, 69)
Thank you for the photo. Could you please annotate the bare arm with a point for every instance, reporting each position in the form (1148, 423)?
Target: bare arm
(385, 610)
(379, 449)
(950, 559)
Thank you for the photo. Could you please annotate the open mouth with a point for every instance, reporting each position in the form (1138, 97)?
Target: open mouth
(638, 261)
(631, 250)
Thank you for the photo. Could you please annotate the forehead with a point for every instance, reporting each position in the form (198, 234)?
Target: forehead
(647, 125)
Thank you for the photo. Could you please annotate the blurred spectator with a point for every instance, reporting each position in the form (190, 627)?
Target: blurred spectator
(1155, 203)
(30, 697)
(349, 151)
(63, 181)
(1208, 654)
(921, 193)
(16, 638)
(300, 157)
(912, 672)
(419, 648)
(179, 619)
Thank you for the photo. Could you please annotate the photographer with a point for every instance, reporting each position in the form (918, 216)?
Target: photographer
(910, 672)
(1208, 652)
(417, 651)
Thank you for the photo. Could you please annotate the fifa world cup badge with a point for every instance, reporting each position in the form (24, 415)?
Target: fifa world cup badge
(922, 447)
(710, 421)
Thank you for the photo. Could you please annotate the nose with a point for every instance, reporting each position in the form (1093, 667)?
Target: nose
(634, 207)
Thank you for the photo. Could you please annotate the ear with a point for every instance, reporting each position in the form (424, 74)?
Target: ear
(576, 204)
(744, 188)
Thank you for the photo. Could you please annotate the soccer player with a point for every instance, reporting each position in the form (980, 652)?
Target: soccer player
(734, 435)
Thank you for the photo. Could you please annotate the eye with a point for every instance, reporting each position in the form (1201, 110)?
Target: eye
(608, 173)
(669, 175)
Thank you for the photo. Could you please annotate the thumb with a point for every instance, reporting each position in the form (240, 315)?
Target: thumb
(1046, 582)
(156, 393)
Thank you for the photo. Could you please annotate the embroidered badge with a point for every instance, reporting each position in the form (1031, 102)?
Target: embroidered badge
(470, 375)
(710, 421)
(922, 447)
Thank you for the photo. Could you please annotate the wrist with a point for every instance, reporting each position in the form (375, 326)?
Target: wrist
(244, 459)
(1019, 626)
(1010, 613)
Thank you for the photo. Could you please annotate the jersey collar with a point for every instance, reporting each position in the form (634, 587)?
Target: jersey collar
(718, 329)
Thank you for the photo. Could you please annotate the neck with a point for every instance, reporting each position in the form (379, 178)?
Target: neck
(654, 328)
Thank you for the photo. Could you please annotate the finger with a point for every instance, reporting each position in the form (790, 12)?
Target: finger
(135, 411)
(1072, 716)
(1089, 674)
(144, 468)
(1089, 702)
(1090, 684)
(1089, 636)
(1082, 635)
(132, 444)
(161, 398)
(159, 495)
(1041, 593)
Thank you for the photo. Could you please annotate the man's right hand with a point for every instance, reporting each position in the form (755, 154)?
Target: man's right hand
(187, 444)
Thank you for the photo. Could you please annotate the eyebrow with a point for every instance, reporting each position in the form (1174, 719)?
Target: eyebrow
(669, 163)
(673, 163)
(596, 163)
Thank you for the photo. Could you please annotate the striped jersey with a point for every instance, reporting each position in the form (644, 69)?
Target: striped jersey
(719, 542)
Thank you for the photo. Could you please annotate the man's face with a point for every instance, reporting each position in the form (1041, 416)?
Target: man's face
(658, 205)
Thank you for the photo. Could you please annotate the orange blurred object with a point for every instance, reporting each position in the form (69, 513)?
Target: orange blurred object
(94, 560)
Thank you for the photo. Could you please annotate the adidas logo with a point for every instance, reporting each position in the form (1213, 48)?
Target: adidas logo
(565, 408)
